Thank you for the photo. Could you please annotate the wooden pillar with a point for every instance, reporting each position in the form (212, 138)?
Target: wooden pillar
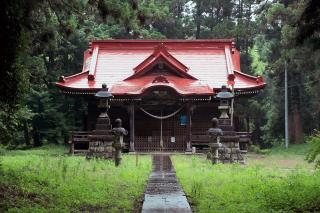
(131, 112)
(92, 115)
(188, 136)
(232, 107)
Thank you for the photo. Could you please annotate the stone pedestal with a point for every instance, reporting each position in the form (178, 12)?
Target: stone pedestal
(118, 132)
(214, 146)
(229, 147)
(214, 140)
(230, 152)
(101, 139)
(117, 145)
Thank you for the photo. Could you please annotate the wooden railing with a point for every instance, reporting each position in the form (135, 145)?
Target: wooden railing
(79, 141)
(244, 140)
(199, 138)
(152, 143)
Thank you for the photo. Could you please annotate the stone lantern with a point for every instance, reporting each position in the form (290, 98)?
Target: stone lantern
(101, 138)
(225, 97)
(104, 96)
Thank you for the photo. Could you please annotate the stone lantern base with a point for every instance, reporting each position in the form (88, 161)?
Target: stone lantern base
(230, 146)
(230, 153)
(101, 139)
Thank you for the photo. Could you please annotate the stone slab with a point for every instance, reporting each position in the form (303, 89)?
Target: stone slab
(173, 202)
(164, 193)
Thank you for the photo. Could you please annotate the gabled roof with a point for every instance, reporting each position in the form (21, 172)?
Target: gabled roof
(196, 67)
(161, 55)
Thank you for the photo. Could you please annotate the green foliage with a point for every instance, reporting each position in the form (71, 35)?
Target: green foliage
(252, 188)
(257, 64)
(13, 42)
(314, 152)
(45, 180)
(274, 44)
(11, 122)
(2, 151)
(49, 41)
(308, 23)
(254, 148)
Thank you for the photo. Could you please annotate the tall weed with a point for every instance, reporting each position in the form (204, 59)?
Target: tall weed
(73, 184)
(256, 187)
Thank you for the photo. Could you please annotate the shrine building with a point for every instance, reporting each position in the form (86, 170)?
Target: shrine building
(164, 90)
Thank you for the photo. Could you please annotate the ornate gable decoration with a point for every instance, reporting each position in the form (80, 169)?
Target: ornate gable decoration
(161, 56)
(160, 79)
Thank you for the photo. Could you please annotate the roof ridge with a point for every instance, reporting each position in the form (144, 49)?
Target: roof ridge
(164, 41)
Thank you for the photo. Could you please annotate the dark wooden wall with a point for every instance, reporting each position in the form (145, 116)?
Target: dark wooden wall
(147, 129)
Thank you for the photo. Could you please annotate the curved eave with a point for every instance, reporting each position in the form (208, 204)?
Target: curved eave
(258, 87)
(171, 86)
(91, 91)
(203, 91)
(77, 91)
(252, 83)
(74, 77)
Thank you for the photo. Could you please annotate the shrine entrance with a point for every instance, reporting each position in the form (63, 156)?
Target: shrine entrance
(160, 121)
(160, 129)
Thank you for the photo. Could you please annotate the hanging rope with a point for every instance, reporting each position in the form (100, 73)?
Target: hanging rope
(160, 117)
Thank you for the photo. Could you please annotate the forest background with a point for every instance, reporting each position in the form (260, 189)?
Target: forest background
(44, 39)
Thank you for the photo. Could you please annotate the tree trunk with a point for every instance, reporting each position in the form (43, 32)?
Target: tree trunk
(36, 138)
(198, 19)
(299, 137)
(26, 133)
(296, 135)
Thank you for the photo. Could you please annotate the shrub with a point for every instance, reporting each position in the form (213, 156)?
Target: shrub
(2, 152)
(314, 152)
(254, 148)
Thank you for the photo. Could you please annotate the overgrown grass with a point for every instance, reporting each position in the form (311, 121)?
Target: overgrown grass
(261, 186)
(293, 150)
(45, 180)
(281, 158)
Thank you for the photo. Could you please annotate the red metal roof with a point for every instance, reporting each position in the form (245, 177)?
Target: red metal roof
(160, 54)
(196, 67)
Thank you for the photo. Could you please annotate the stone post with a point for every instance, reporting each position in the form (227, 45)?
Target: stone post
(214, 150)
(214, 144)
(118, 132)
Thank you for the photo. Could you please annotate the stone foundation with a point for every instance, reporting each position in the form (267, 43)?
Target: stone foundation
(230, 153)
(101, 140)
(230, 150)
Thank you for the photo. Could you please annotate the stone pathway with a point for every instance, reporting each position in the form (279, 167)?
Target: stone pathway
(164, 193)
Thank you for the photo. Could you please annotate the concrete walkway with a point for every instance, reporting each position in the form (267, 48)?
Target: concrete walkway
(164, 193)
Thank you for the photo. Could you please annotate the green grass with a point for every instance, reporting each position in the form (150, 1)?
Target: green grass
(46, 180)
(281, 158)
(277, 182)
(293, 150)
